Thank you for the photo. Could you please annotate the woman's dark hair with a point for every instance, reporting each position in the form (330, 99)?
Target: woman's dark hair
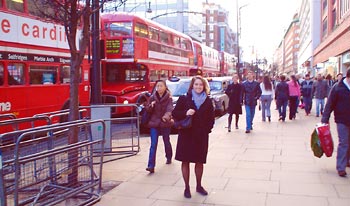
(164, 82)
(294, 79)
(267, 83)
(282, 77)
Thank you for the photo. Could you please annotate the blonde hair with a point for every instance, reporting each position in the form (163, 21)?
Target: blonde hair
(206, 87)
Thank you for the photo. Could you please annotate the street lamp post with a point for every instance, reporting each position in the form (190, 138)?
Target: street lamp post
(238, 65)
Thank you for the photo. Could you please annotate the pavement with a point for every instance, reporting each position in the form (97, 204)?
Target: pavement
(271, 166)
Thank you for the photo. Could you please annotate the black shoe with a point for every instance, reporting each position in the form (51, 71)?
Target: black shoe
(168, 161)
(229, 129)
(342, 173)
(280, 119)
(150, 170)
(187, 193)
(202, 191)
(247, 131)
(269, 119)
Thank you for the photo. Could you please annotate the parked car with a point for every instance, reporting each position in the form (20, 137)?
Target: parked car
(218, 85)
(178, 86)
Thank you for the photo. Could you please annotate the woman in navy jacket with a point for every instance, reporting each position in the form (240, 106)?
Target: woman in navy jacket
(192, 143)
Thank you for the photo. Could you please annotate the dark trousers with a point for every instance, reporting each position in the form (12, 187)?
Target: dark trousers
(154, 133)
(293, 106)
(307, 104)
(282, 107)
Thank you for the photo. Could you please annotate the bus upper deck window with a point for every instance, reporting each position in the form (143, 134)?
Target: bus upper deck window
(119, 29)
(15, 5)
(15, 74)
(1, 74)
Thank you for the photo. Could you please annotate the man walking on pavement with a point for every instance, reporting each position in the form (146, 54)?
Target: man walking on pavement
(251, 93)
(306, 93)
(339, 101)
(319, 90)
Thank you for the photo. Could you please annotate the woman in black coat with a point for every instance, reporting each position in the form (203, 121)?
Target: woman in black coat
(192, 143)
(234, 92)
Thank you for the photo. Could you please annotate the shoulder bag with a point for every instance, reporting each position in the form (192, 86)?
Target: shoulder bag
(184, 123)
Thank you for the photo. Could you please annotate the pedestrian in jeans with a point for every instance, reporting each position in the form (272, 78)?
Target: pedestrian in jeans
(319, 90)
(234, 93)
(192, 143)
(160, 104)
(251, 93)
(306, 92)
(282, 95)
(294, 95)
(339, 101)
(267, 95)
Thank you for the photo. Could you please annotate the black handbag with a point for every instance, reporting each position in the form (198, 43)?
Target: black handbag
(145, 117)
(184, 123)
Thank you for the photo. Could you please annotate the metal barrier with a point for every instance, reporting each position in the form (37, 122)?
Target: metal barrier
(61, 114)
(22, 123)
(7, 147)
(14, 124)
(53, 167)
(122, 133)
(7, 116)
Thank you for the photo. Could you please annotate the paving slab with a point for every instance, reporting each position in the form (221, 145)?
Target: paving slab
(272, 166)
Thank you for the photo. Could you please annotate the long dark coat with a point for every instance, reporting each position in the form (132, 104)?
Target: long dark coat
(234, 92)
(192, 143)
(162, 109)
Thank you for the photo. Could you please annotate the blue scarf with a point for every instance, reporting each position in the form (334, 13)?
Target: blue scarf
(198, 98)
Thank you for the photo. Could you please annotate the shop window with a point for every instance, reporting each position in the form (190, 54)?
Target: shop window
(42, 74)
(15, 74)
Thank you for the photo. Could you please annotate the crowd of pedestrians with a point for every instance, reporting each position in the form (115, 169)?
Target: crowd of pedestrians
(291, 92)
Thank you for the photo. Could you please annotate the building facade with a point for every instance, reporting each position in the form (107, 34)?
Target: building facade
(309, 35)
(218, 34)
(332, 55)
(291, 47)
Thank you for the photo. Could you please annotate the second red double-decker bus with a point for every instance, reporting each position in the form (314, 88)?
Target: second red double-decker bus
(207, 60)
(137, 52)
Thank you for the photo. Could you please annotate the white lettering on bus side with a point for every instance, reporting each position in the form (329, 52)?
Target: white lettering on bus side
(17, 57)
(5, 106)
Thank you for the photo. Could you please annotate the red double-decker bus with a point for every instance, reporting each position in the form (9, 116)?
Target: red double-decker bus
(207, 60)
(227, 63)
(34, 63)
(137, 52)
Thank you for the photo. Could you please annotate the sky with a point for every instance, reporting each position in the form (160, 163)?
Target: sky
(263, 23)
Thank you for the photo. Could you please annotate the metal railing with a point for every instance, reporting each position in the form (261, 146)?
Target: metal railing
(54, 166)
(122, 133)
